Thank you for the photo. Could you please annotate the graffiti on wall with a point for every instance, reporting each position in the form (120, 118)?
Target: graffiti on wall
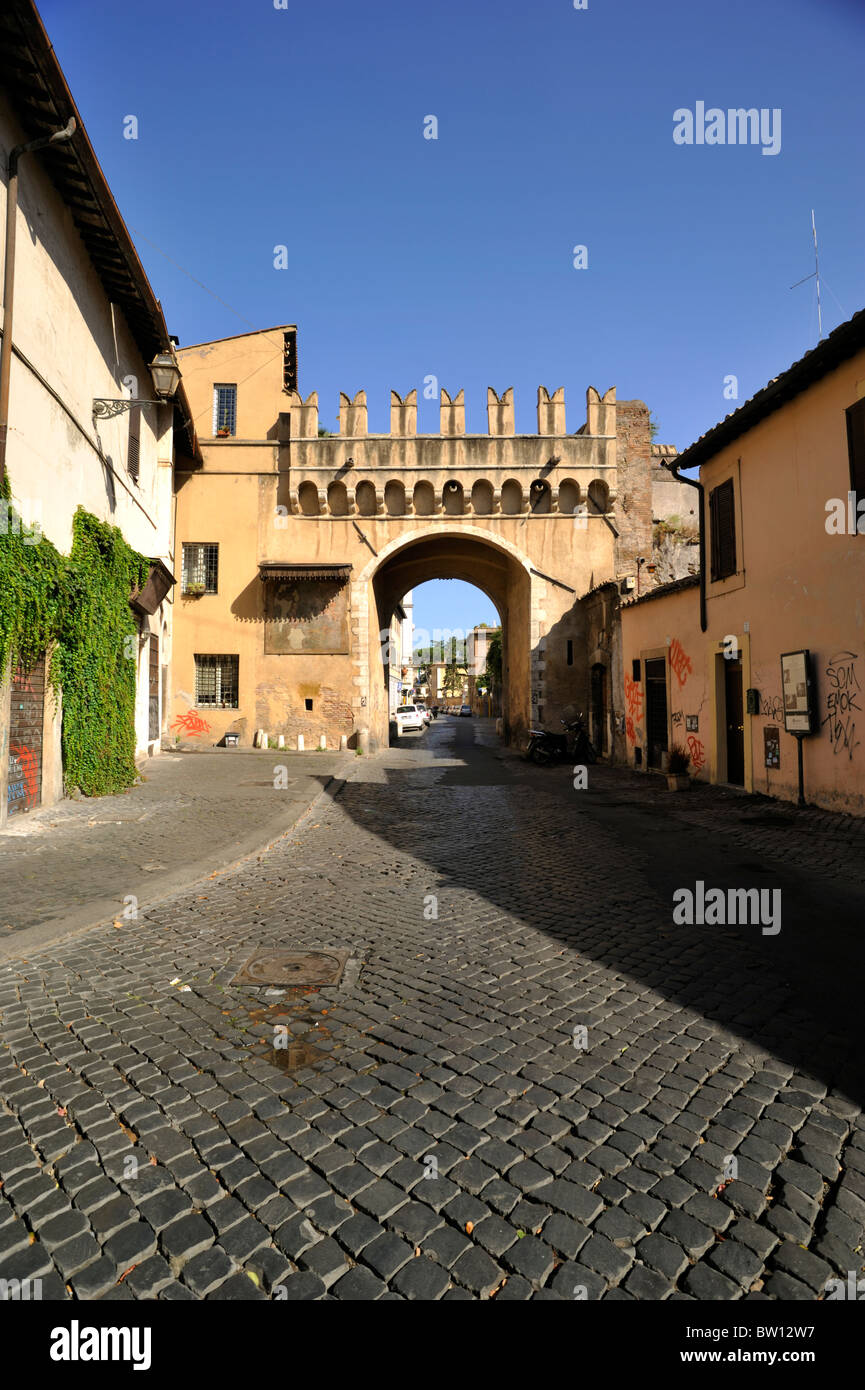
(23, 787)
(634, 707)
(842, 704)
(680, 662)
(697, 752)
(773, 708)
(191, 724)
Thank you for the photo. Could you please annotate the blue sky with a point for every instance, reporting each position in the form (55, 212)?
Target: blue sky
(453, 257)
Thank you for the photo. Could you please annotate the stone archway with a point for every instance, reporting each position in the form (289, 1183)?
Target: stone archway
(469, 553)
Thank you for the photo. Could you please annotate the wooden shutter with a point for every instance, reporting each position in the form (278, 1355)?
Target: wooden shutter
(133, 457)
(722, 528)
(856, 446)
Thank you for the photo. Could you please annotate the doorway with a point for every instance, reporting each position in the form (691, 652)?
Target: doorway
(734, 719)
(656, 712)
(153, 690)
(26, 715)
(599, 707)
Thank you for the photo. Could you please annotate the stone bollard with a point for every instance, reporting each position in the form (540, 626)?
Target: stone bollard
(280, 742)
(363, 740)
(300, 743)
(500, 727)
(343, 742)
(322, 743)
(258, 741)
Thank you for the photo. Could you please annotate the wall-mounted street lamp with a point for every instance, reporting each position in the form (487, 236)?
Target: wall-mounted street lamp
(165, 375)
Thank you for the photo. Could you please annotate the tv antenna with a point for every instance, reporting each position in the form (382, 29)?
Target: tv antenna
(815, 275)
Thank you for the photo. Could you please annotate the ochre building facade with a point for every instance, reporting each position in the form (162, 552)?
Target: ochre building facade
(297, 545)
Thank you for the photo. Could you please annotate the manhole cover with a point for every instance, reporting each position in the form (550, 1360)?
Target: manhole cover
(273, 967)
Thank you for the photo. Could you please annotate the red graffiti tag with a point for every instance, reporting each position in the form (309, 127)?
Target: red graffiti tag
(629, 730)
(697, 752)
(634, 698)
(191, 723)
(679, 661)
(24, 771)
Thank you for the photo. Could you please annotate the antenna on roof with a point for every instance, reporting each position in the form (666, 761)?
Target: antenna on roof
(815, 275)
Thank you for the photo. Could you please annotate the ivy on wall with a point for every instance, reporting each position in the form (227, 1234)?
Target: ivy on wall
(78, 606)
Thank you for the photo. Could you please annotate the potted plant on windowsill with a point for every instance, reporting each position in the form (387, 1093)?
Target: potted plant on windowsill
(193, 590)
(678, 762)
(223, 432)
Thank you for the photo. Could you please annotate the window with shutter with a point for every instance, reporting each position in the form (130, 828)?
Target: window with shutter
(722, 528)
(856, 446)
(133, 452)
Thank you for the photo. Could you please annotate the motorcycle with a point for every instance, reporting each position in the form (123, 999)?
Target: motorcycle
(545, 748)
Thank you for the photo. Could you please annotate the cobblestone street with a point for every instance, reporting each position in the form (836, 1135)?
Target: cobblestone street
(441, 1126)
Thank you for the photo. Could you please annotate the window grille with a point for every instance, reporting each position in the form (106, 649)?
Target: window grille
(224, 408)
(200, 566)
(216, 682)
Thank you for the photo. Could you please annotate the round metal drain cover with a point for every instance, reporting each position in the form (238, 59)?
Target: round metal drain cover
(299, 968)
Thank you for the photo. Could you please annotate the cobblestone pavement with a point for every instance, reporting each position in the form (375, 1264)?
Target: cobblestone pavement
(67, 866)
(433, 1131)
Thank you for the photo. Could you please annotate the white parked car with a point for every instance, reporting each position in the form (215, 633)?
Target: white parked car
(409, 717)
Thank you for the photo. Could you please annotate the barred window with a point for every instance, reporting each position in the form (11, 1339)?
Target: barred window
(200, 567)
(224, 408)
(216, 682)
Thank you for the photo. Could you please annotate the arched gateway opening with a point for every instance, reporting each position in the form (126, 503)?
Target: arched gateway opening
(494, 566)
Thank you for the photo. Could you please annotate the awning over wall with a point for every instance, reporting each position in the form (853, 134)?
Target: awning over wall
(157, 585)
(277, 570)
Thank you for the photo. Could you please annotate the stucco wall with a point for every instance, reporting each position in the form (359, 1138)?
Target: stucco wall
(71, 346)
(796, 586)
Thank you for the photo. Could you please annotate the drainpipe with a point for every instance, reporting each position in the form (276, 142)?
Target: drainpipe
(694, 482)
(59, 137)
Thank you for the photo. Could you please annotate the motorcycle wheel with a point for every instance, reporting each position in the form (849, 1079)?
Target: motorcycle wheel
(541, 756)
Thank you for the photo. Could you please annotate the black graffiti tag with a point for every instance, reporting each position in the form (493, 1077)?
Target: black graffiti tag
(842, 702)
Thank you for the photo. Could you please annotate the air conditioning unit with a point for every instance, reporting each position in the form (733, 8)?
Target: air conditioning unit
(629, 584)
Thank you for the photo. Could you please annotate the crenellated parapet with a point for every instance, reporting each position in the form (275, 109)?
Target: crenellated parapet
(600, 419)
(452, 474)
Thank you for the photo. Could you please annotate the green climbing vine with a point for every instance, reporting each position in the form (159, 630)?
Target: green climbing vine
(78, 607)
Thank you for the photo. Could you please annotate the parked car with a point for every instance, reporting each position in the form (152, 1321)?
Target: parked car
(465, 711)
(420, 705)
(409, 717)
